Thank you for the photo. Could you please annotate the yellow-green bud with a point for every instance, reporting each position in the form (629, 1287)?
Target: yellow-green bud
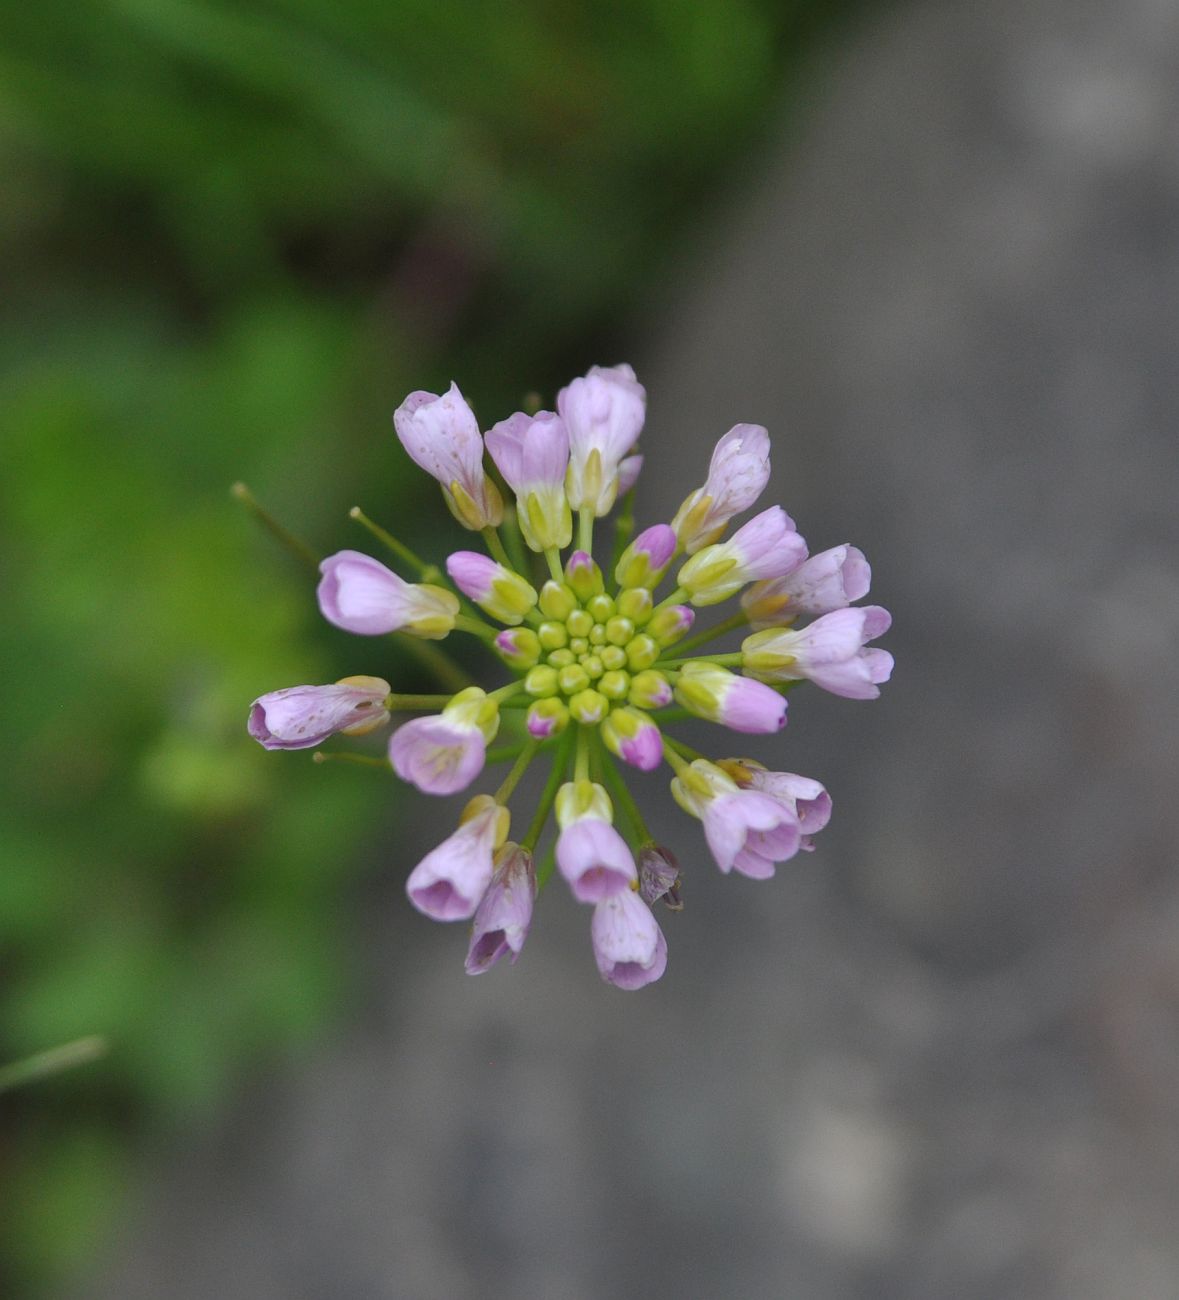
(670, 624)
(552, 635)
(601, 607)
(597, 634)
(518, 647)
(557, 601)
(593, 666)
(579, 645)
(765, 661)
(572, 679)
(589, 707)
(541, 680)
(619, 630)
(650, 689)
(636, 604)
(614, 685)
(579, 623)
(613, 657)
(547, 717)
(583, 575)
(642, 652)
(562, 658)
(510, 597)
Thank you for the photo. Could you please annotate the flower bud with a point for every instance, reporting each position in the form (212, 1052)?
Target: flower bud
(672, 623)
(739, 471)
(300, 717)
(546, 718)
(643, 562)
(542, 681)
(494, 588)
(629, 946)
(504, 914)
(532, 453)
(641, 652)
(589, 707)
(635, 603)
(359, 594)
(519, 647)
(650, 689)
(603, 414)
(720, 696)
(633, 737)
(557, 601)
(766, 547)
(583, 575)
(831, 652)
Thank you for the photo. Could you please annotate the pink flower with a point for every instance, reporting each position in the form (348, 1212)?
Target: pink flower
(633, 737)
(629, 946)
(300, 717)
(445, 752)
(494, 588)
(532, 453)
(807, 799)
(591, 854)
(450, 880)
(829, 652)
(738, 473)
(604, 414)
(766, 547)
(629, 470)
(442, 436)
(737, 702)
(746, 830)
(361, 595)
(643, 561)
(504, 915)
(830, 580)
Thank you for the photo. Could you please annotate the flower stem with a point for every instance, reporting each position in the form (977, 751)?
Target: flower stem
(515, 540)
(342, 756)
(45, 1064)
(496, 547)
(739, 619)
(669, 752)
(624, 527)
(437, 661)
(476, 626)
(553, 558)
(581, 762)
(519, 767)
(676, 598)
(427, 572)
(297, 547)
(548, 797)
(585, 530)
(684, 751)
(734, 660)
(415, 703)
(625, 800)
(505, 694)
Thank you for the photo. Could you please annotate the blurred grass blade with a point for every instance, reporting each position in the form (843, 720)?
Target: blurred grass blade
(55, 1061)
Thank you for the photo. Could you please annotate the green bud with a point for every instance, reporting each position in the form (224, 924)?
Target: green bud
(589, 707)
(636, 604)
(552, 635)
(557, 601)
(541, 680)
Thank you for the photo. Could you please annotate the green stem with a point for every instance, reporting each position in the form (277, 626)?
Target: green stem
(623, 797)
(519, 767)
(739, 619)
(496, 547)
(342, 756)
(670, 753)
(581, 762)
(297, 547)
(624, 528)
(427, 572)
(553, 558)
(476, 626)
(684, 751)
(415, 703)
(548, 797)
(437, 661)
(585, 530)
(677, 597)
(734, 660)
(57, 1059)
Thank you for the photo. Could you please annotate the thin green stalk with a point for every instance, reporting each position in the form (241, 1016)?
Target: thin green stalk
(553, 559)
(684, 751)
(548, 797)
(519, 767)
(581, 762)
(343, 756)
(396, 703)
(427, 572)
(739, 619)
(56, 1060)
(734, 660)
(297, 547)
(677, 597)
(585, 530)
(623, 797)
(505, 694)
(476, 627)
(624, 527)
(515, 540)
(670, 752)
(496, 547)
(437, 661)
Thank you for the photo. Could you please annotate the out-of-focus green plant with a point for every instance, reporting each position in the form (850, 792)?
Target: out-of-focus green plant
(233, 237)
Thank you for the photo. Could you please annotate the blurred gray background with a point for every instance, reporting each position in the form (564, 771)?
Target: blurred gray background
(940, 1056)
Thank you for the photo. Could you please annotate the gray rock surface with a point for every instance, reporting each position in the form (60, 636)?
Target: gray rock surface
(940, 1056)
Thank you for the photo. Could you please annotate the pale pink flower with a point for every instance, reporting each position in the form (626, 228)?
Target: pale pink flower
(720, 696)
(450, 880)
(603, 413)
(830, 580)
(532, 453)
(504, 914)
(738, 473)
(359, 594)
(629, 946)
(766, 547)
(444, 752)
(300, 717)
(831, 652)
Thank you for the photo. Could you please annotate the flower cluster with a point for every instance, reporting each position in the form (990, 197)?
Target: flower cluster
(599, 664)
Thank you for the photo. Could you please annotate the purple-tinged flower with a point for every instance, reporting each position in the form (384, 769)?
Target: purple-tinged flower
(520, 648)
(629, 946)
(532, 453)
(806, 798)
(494, 588)
(629, 470)
(504, 915)
(714, 693)
(591, 854)
(300, 717)
(583, 576)
(659, 877)
(649, 690)
(634, 738)
(442, 435)
(831, 652)
(746, 830)
(644, 560)
(361, 595)
(445, 752)
(738, 473)
(450, 880)
(828, 581)
(766, 547)
(603, 413)
(671, 623)
(546, 718)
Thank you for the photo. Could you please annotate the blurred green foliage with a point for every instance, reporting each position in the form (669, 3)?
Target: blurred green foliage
(233, 236)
